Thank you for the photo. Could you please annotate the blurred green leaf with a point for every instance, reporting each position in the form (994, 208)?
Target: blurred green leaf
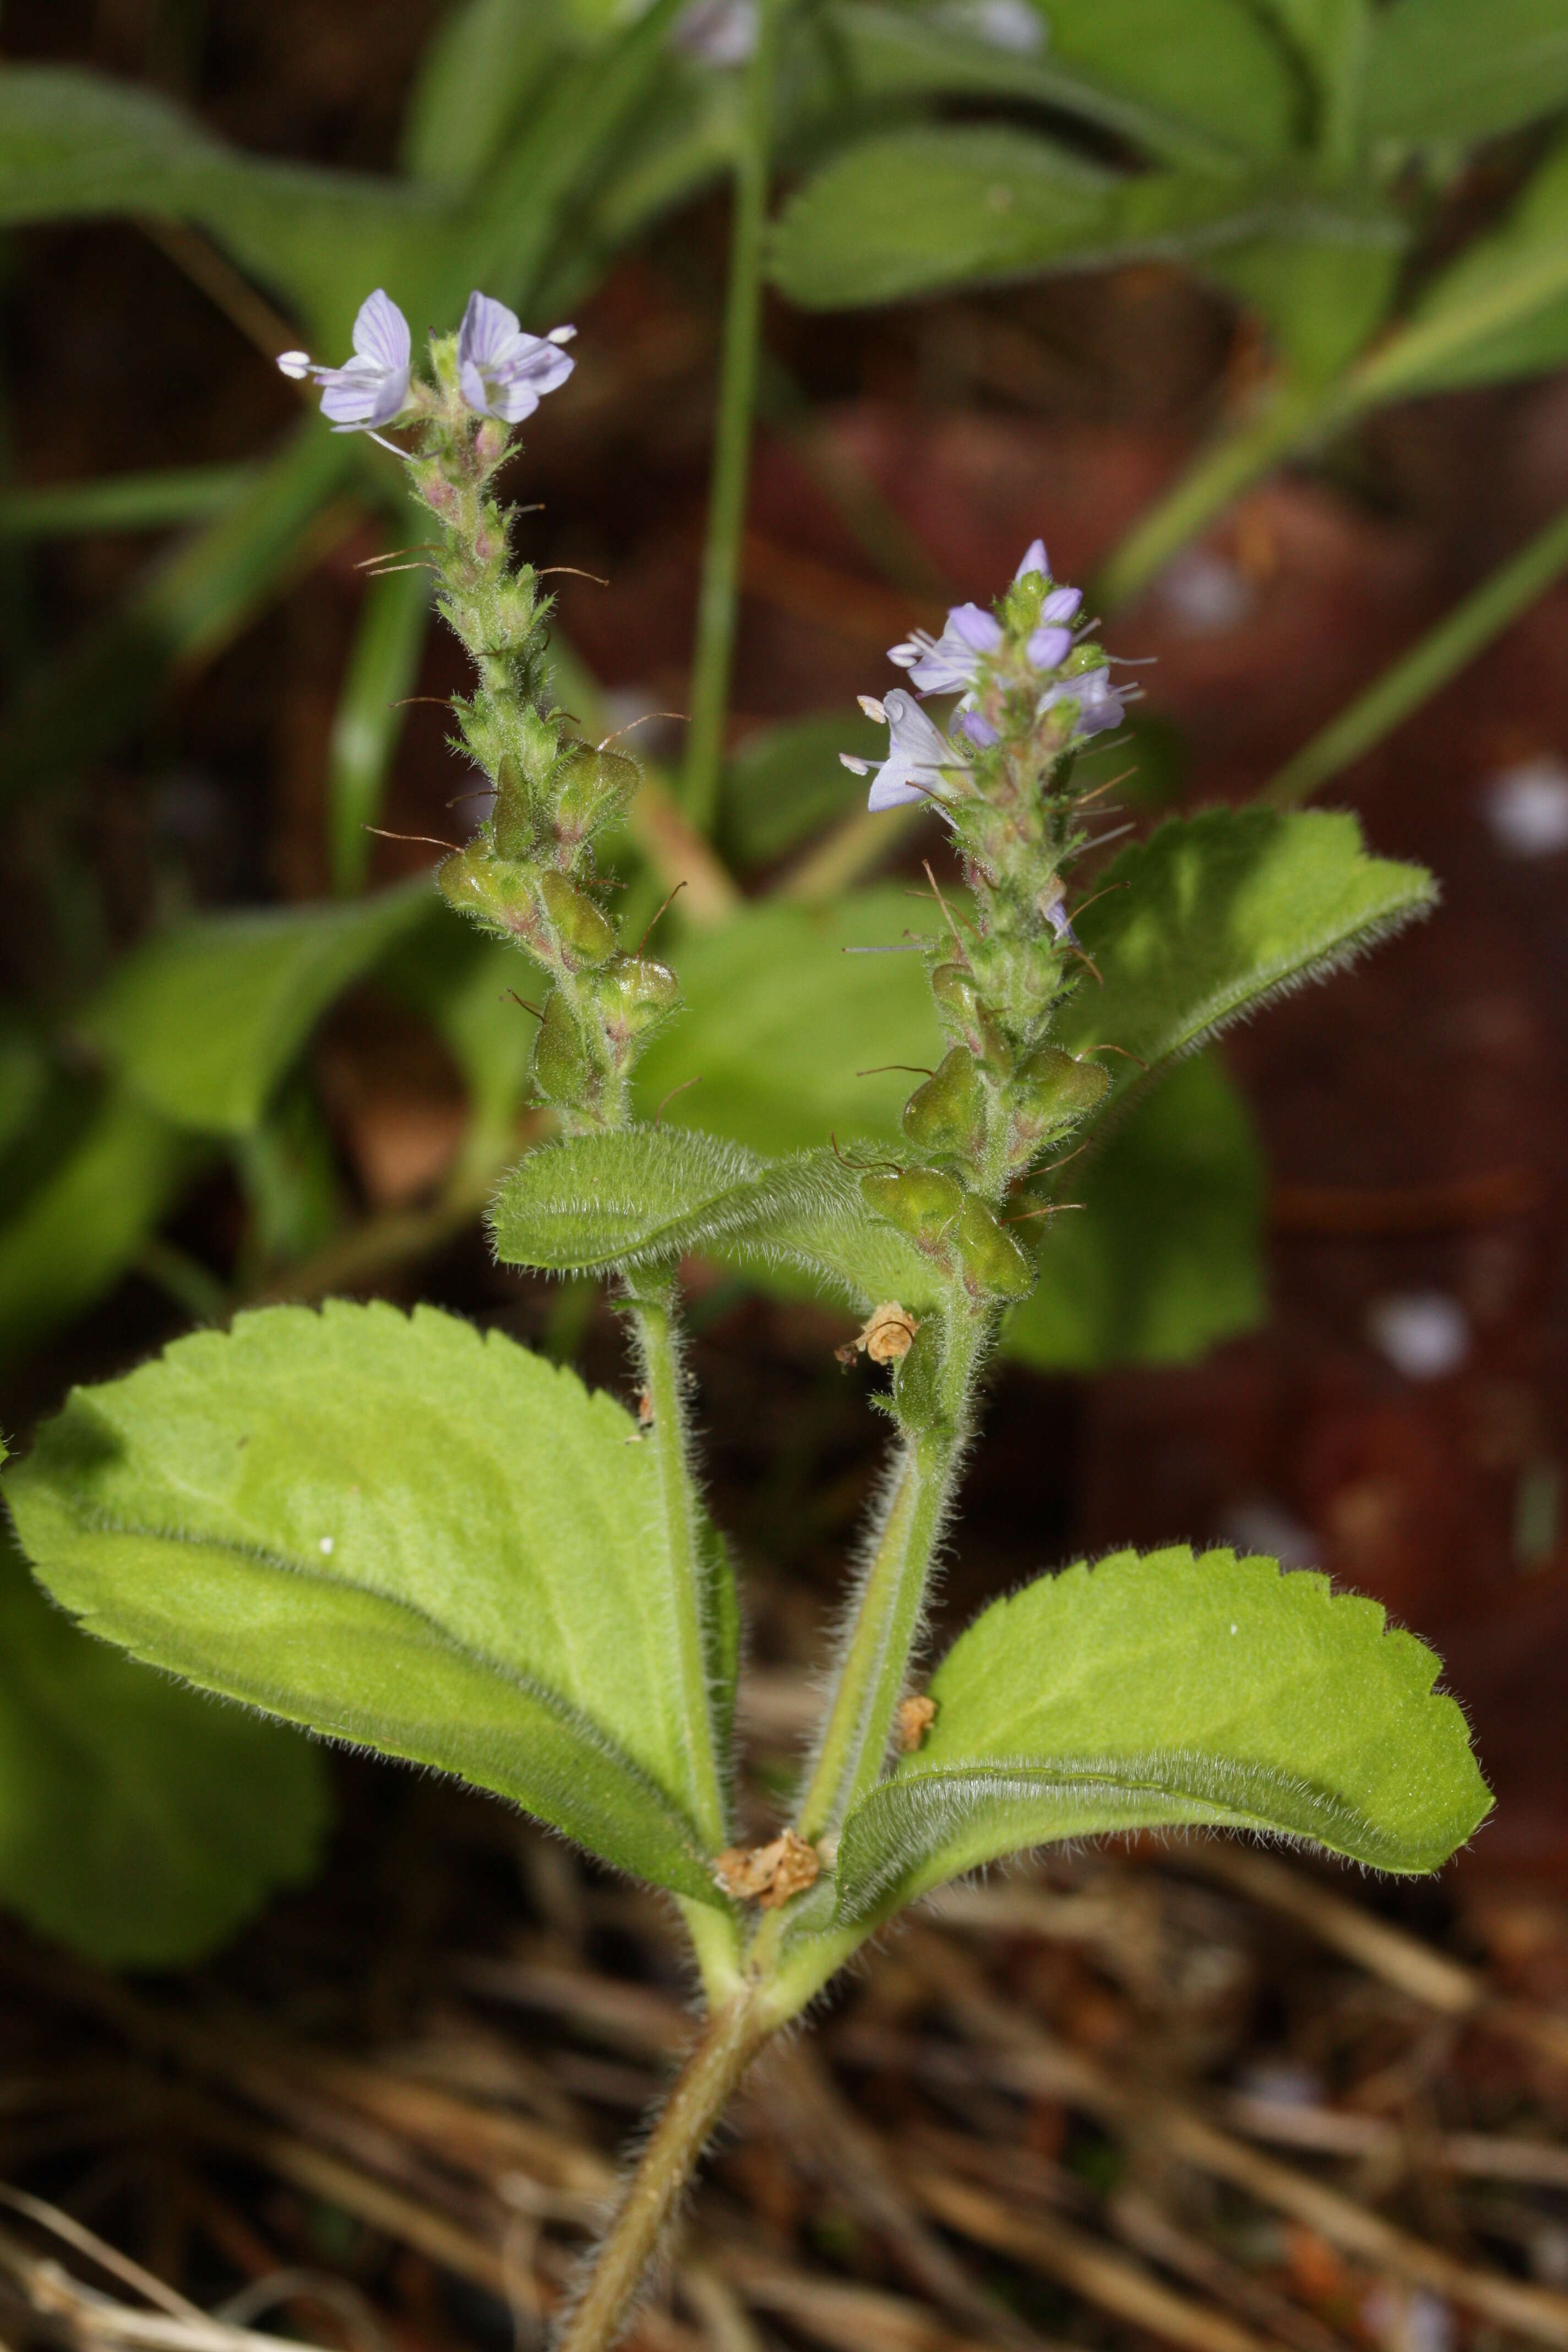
(146, 502)
(467, 986)
(1214, 915)
(915, 210)
(785, 782)
(778, 1020)
(1165, 1257)
(203, 1021)
(1502, 309)
(1164, 1690)
(382, 668)
(398, 1533)
(891, 52)
(187, 605)
(74, 144)
(138, 1824)
(1320, 300)
(1209, 62)
(1448, 70)
(80, 1192)
(484, 61)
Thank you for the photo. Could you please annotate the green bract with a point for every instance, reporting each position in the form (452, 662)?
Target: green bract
(396, 1533)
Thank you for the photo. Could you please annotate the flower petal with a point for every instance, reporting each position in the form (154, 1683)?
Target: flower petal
(471, 385)
(1035, 560)
(380, 334)
(974, 627)
(488, 326)
(1062, 604)
(1048, 646)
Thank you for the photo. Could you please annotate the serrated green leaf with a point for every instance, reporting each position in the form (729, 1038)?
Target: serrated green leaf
(203, 1020)
(649, 1196)
(1165, 1257)
(779, 1021)
(1502, 309)
(396, 1533)
(1447, 69)
(1214, 915)
(94, 1173)
(139, 1823)
(1165, 1690)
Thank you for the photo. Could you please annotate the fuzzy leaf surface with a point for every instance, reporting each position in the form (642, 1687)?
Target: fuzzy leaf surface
(1214, 915)
(1171, 1688)
(203, 1020)
(1165, 1257)
(649, 1196)
(396, 1533)
(139, 1823)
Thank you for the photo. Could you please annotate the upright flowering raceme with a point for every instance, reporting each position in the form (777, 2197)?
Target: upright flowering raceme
(1032, 686)
(501, 370)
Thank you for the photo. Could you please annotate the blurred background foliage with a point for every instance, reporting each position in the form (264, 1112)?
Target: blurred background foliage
(245, 1053)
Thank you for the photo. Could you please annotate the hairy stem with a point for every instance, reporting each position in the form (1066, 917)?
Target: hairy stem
(659, 1350)
(732, 443)
(653, 2194)
(891, 1598)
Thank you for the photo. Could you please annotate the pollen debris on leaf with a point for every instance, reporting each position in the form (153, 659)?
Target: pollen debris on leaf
(768, 1875)
(914, 1717)
(887, 1335)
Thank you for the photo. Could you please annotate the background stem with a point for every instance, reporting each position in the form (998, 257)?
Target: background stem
(1441, 654)
(732, 442)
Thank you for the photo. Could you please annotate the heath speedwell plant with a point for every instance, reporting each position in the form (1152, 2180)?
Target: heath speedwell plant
(403, 1534)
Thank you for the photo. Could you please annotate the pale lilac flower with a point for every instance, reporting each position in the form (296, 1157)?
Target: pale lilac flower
(369, 389)
(1062, 604)
(920, 757)
(1099, 704)
(979, 731)
(946, 665)
(719, 32)
(1035, 560)
(1003, 24)
(504, 371)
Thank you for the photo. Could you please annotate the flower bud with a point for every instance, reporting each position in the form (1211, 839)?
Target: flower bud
(953, 986)
(562, 1071)
(582, 931)
(593, 788)
(633, 995)
(946, 1117)
(498, 893)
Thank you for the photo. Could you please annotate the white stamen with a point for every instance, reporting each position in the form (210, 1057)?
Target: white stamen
(295, 363)
(873, 708)
(561, 334)
(856, 767)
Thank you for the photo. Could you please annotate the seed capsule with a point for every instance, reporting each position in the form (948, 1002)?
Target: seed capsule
(497, 892)
(561, 1065)
(580, 927)
(634, 994)
(1052, 1091)
(953, 986)
(947, 1115)
(592, 789)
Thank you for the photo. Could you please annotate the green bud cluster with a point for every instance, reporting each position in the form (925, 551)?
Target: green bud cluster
(529, 874)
